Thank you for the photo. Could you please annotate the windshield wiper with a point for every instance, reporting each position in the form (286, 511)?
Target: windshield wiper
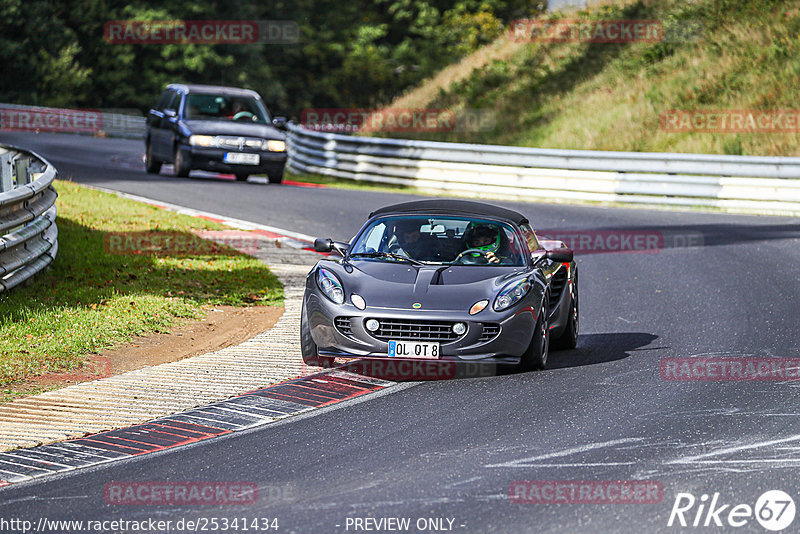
(378, 254)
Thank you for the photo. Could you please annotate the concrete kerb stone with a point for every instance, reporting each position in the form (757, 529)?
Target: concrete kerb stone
(144, 394)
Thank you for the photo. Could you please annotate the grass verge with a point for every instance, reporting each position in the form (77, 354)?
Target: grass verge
(737, 55)
(91, 299)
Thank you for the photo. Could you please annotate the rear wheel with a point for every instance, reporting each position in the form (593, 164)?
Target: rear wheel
(275, 177)
(308, 349)
(182, 163)
(536, 356)
(241, 177)
(151, 165)
(569, 338)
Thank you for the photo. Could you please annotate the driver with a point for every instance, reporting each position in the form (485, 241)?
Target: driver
(410, 242)
(236, 108)
(486, 238)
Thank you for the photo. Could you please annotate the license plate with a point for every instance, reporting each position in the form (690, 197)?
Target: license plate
(412, 349)
(241, 158)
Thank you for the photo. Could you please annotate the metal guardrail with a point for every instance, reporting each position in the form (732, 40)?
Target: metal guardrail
(740, 183)
(29, 241)
(80, 121)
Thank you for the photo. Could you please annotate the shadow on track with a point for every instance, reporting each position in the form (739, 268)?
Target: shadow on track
(592, 349)
(595, 349)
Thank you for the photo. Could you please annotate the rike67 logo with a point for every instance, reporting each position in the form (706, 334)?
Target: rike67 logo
(774, 510)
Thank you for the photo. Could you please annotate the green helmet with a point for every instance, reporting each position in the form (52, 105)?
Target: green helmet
(481, 233)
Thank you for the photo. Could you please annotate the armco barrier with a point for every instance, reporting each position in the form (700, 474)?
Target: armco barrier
(29, 241)
(738, 183)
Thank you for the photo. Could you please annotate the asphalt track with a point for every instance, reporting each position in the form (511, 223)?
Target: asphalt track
(452, 448)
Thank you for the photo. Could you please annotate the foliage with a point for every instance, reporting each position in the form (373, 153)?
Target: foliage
(350, 54)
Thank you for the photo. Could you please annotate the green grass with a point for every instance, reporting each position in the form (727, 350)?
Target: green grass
(346, 183)
(90, 299)
(611, 96)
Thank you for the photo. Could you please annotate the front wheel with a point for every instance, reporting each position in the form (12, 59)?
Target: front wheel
(535, 357)
(151, 165)
(308, 349)
(182, 163)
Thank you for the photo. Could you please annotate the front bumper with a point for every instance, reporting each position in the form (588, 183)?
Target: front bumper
(514, 337)
(211, 159)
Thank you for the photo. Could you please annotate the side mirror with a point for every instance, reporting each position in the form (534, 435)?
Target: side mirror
(170, 113)
(279, 122)
(326, 244)
(561, 255)
(323, 244)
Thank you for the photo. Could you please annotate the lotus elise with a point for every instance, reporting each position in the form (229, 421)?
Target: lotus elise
(446, 280)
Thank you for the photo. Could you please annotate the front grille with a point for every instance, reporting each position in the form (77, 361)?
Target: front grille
(415, 330)
(343, 325)
(490, 331)
(557, 285)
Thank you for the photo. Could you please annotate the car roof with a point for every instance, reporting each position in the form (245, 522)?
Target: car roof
(212, 89)
(452, 207)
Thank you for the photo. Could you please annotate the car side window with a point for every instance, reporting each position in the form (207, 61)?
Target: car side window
(163, 100)
(530, 237)
(174, 102)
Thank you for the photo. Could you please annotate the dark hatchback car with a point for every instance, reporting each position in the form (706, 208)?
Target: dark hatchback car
(220, 129)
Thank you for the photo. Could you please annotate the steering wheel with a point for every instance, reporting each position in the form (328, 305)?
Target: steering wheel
(244, 115)
(472, 258)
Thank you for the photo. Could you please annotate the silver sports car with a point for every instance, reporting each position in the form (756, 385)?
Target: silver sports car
(444, 280)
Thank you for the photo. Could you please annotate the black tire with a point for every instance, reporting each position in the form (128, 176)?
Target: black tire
(182, 163)
(151, 165)
(275, 177)
(535, 358)
(308, 349)
(242, 177)
(569, 337)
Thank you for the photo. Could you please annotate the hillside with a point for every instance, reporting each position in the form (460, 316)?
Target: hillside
(729, 55)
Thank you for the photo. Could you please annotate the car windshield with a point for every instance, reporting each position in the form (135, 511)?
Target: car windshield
(440, 240)
(226, 108)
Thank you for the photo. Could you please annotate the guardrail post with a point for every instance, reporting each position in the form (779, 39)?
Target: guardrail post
(6, 174)
(22, 170)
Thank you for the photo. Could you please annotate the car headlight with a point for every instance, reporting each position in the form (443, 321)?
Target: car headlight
(511, 294)
(201, 140)
(330, 285)
(273, 145)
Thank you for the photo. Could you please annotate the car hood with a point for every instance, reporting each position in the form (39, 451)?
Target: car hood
(433, 287)
(238, 129)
